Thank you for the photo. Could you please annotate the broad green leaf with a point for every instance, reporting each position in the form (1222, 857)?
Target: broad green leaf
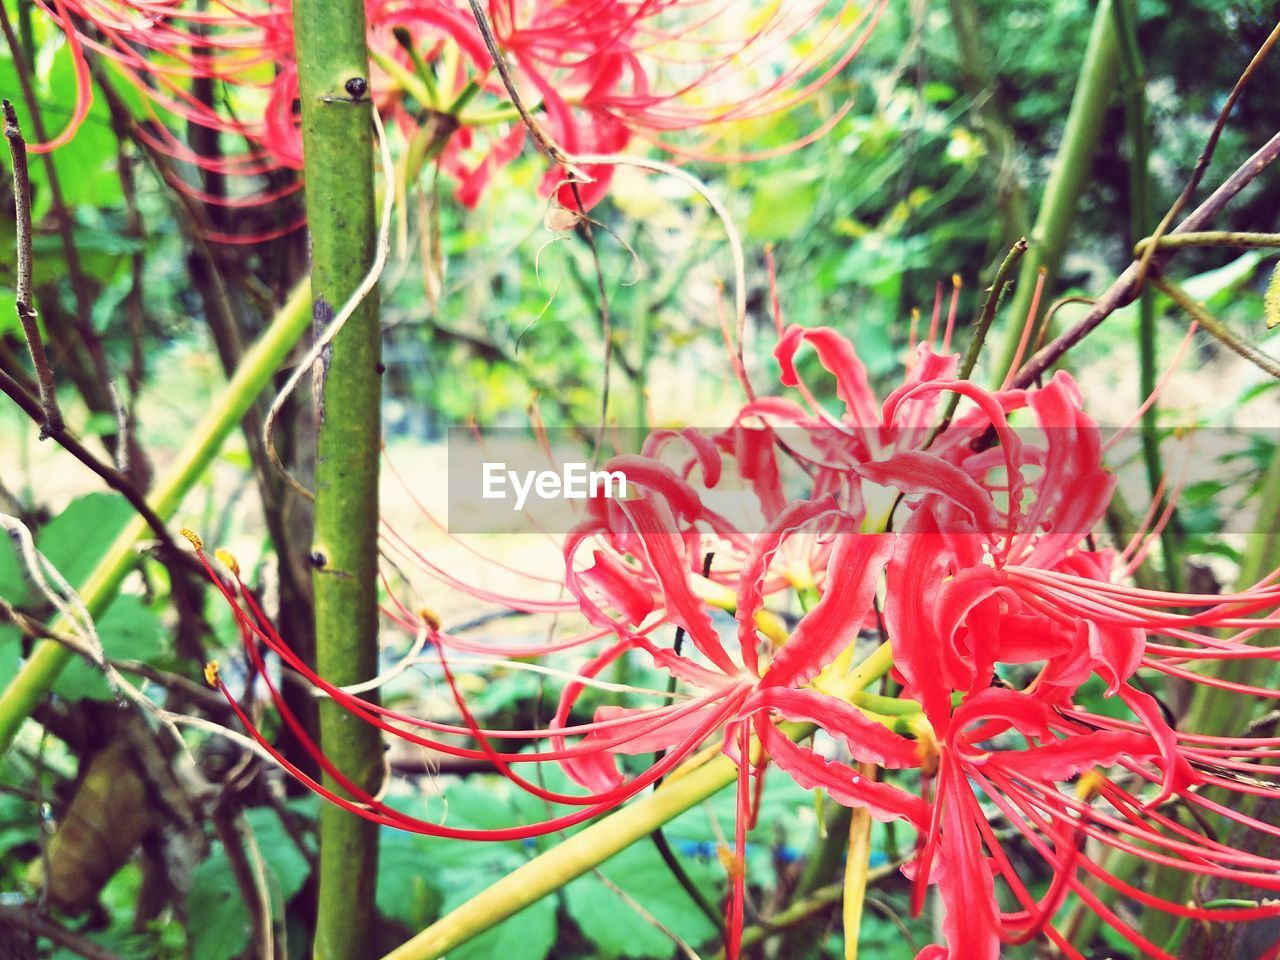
(618, 929)
(529, 934)
(129, 630)
(219, 925)
(408, 877)
(75, 540)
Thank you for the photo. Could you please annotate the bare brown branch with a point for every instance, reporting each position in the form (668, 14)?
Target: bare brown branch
(26, 918)
(1127, 287)
(52, 416)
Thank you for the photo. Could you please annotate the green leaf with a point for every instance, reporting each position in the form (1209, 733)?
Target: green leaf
(219, 925)
(1209, 286)
(13, 581)
(783, 204)
(87, 164)
(287, 867)
(18, 822)
(1271, 300)
(616, 928)
(129, 630)
(407, 879)
(529, 934)
(75, 540)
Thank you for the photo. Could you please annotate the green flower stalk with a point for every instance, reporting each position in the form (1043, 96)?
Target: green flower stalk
(333, 70)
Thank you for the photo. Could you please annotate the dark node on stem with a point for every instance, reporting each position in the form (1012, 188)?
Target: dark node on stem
(382, 368)
(357, 87)
(317, 559)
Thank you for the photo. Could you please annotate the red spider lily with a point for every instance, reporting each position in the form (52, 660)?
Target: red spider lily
(992, 578)
(974, 588)
(1050, 790)
(596, 72)
(975, 585)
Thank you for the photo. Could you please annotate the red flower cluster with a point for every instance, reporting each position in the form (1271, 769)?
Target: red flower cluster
(596, 73)
(995, 610)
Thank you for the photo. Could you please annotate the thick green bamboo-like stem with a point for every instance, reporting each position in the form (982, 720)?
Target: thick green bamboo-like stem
(1096, 84)
(1134, 86)
(254, 373)
(333, 70)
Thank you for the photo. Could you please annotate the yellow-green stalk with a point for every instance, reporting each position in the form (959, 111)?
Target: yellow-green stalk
(337, 141)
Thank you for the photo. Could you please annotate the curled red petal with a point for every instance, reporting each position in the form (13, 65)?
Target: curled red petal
(868, 741)
(837, 355)
(842, 784)
(620, 586)
(852, 574)
(755, 568)
(1064, 759)
(913, 471)
(665, 554)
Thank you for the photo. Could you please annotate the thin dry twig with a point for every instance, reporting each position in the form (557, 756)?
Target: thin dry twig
(82, 327)
(1206, 155)
(258, 869)
(250, 879)
(52, 416)
(575, 176)
(544, 142)
(25, 918)
(198, 693)
(84, 641)
(1129, 284)
(647, 917)
(113, 478)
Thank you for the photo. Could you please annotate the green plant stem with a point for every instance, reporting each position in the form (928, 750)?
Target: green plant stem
(857, 869)
(979, 336)
(333, 71)
(1216, 328)
(1211, 238)
(37, 675)
(1096, 83)
(1134, 85)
